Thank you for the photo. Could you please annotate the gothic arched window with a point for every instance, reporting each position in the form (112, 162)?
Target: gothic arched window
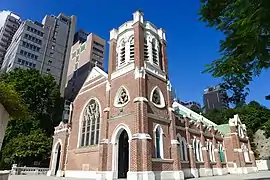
(221, 152)
(184, 149)
(90, 124)
(121, 98)
(158, 142)
(122, 53)
(157, 98)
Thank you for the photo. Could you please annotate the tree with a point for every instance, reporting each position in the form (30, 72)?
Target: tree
(267, 97)
(12, 101)
(41, 95)
(28, 139)
(245, 49)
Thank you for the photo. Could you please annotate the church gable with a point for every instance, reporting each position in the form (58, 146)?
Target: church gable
(95, 78)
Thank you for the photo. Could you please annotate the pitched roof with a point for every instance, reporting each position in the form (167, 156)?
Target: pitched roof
(184, 111)
(224, 128)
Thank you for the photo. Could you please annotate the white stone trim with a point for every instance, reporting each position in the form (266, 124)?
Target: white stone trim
(140, 99)
(81, 118)
(114, 140)
(174, 141)
(139, 73)
(81, 174)
(169, 175)
(141, 175)
(82, 92)
(162, 100)
(107, 109)
(113, 34)
(116, 97)
(123, 70)
(204, 172)
(155, 71)
(162, 160)
(141, 136)
(169, 86)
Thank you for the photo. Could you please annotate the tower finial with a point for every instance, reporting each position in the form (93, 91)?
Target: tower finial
(138, 16)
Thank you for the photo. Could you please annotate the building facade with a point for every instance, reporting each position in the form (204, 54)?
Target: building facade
(124, 124)
(84, 56)
(7, 32)
(214, 98)
(81, 36)
(44, 46)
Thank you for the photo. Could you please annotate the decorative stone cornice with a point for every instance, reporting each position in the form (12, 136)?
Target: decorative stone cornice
(107, 109)
(141, 136)
(104, 141)
(140, 99)
(174, 141)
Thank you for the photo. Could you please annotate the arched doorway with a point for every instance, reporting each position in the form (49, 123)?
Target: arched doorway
(56, 159)
(123, 155)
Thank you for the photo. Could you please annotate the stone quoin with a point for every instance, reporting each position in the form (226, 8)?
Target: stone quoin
(124, 124)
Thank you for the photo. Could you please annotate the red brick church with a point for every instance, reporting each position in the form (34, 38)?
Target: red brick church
(124, 124)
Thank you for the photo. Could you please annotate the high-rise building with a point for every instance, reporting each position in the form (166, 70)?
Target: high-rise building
(81, 36)
(44, 46)
(214, 98)
(12, 23)
(84, 56)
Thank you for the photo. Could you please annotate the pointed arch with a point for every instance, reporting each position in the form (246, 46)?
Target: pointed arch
(184, 148)
(157, 97)
(122, 97)
(159, 151)
(179, 139)
(121, 53)
(131, 48)
(89, 126)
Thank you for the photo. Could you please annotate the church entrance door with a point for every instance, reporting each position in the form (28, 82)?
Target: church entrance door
(123, 155)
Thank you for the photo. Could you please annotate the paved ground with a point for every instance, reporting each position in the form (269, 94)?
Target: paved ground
(254, 176)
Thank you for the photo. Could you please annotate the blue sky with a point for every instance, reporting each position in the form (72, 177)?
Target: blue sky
(190, 44)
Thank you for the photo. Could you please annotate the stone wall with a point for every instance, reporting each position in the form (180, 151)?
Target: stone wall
(263, 144)
(4, 117)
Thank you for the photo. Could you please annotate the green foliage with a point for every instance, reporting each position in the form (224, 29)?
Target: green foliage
(28, 139)
(245, 49)
(254, 115)
(12, 101)
(36, 145)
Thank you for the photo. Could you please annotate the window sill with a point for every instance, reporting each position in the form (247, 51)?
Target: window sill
(162, 160)
(184, 162)
(248, 162)
(199, 162)
(86, 149)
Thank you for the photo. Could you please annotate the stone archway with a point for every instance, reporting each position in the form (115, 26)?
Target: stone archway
(121, 138)
(56, 159)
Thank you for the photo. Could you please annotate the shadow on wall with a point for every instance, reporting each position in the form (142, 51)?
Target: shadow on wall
(76, 82)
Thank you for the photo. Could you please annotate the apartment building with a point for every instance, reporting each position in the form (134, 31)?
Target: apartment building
(44, 46)
(84, 56)
(81, 36)
(214, 98)
(12, 23)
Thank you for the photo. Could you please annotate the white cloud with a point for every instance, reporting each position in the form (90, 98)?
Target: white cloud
(3, 16)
